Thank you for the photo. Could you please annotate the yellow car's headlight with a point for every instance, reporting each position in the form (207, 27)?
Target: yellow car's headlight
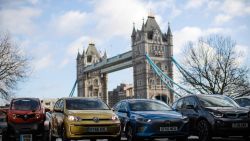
(115, 117)
(74, 118)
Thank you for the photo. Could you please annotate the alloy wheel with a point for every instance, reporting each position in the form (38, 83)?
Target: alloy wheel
(203, 131)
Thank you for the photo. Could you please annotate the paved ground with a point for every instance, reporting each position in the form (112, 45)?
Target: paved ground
(190, 139)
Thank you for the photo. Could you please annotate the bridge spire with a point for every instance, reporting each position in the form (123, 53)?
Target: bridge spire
(133, 32)
(169, 30)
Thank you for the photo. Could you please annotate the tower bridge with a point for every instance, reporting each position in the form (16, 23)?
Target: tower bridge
(93, 69)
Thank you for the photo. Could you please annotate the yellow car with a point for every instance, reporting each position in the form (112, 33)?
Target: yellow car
(83, 118)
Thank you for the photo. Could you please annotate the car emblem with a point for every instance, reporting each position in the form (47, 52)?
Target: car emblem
(96, 119)
(25, 116)
(167, 122)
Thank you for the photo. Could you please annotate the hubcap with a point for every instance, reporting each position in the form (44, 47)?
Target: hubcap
(203, 131)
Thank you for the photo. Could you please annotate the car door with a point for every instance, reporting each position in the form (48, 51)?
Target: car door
(54, 123)
(191, 110)
(122, 112)
(60, 116)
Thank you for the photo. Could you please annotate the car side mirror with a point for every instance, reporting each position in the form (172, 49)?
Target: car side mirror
(58, 110)
(122, 111)
(47, 110)
(190, 107)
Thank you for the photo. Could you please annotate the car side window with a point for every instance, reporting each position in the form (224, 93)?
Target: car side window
(117, 106)
(244, 102)
(179, 104)
(61, 104)
(190, 101)
(57, 104)
(123, 106)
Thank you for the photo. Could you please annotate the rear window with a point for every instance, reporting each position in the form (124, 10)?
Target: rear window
(25, 104)
(85, 104)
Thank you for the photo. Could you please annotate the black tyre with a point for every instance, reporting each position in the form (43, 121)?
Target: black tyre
(130, 134)
(51, 137)
(182, 138)
(64, 136)
(115, 139)
(204, 132)
(246, 138)
(92, 139)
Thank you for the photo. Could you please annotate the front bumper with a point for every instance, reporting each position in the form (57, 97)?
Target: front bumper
(152, 130)
(224, 127)
(26, 128)
(80, 130)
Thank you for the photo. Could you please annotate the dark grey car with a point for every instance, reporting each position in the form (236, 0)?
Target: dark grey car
(214, 116)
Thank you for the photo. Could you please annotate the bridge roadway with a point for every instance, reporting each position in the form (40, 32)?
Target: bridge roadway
(112, 64)
(192, 138)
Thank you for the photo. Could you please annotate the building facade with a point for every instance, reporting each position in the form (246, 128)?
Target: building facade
(148, 40)
(123, 91)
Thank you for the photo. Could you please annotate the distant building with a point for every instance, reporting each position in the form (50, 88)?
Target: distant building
(49, 103)
(123, 91)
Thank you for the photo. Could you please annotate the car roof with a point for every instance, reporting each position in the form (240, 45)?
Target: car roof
(87, 98)
(26, 98)
(133, 100)
(248, 97)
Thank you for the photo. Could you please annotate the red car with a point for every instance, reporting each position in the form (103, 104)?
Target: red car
(26, 116)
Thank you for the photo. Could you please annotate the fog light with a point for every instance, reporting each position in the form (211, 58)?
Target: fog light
(140, 129)
(14, 116)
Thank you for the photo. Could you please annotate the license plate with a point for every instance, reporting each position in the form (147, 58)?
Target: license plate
(26, 137)
(164, 129)
(97, 129)
(240, 125)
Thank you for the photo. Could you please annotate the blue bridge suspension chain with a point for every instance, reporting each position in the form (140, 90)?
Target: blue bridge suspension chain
(164, 76)
(73, 89)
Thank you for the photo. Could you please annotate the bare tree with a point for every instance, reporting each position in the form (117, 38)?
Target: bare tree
(212, 67)
(13, 66)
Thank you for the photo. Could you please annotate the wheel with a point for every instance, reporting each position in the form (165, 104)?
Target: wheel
(246, 138)
(115, 139)
(51, 137)
(182, 138)
(130, 134)
(203, 131)
(92, 139)
(64, 136)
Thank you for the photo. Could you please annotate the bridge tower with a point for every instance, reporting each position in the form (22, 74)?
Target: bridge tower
(159, 46)
(93, 83)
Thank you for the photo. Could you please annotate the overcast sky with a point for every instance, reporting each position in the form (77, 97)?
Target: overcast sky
(52, 31)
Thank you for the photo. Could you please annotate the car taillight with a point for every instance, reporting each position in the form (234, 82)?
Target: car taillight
(38, 116)
(14, 116)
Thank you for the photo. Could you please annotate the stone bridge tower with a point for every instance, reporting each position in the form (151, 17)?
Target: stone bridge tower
(159, 46)
(94, 83)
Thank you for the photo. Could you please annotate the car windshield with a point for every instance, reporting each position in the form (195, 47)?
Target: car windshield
(148, 106)
(85, 104)
(25, 104)
(217, 101)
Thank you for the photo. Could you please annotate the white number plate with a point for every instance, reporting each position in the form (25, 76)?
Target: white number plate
(164, 129)
(240, 125)
(97, 129)
(26, 137)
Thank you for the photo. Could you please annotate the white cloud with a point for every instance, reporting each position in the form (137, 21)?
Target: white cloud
(187, 34)
(43, 62)
(70, 22)
(221, 19)
(243, 51)
(231, 9)
(77, 45)
(19, 21)
(64, 63)
(194, 3)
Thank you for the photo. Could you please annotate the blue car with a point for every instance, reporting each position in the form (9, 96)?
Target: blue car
(150, 119)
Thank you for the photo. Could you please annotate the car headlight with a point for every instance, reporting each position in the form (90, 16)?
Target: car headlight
(114, 117)
(74, 118)
(38, 116)
(142, 119)
(216, 114)
(185, 119)
(14, 116)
